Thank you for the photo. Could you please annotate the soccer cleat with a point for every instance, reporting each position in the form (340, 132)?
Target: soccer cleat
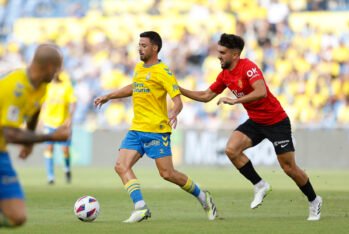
(210, 207)
(315, 209)
(138, 215)
(51, 182)
(259, 193)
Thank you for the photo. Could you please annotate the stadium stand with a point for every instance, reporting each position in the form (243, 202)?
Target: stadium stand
(304, 58)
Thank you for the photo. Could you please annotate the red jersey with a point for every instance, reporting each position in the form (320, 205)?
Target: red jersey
(263, 111)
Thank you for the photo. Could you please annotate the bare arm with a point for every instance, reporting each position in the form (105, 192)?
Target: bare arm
(259, 92)
(31, 125)
(24, 136)
(177, 108)
(26, 149)
(119, 93)
(201, 96)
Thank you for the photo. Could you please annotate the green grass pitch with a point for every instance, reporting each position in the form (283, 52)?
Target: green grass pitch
(50, 208)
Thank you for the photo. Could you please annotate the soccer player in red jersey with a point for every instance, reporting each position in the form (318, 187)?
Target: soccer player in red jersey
(267, 119)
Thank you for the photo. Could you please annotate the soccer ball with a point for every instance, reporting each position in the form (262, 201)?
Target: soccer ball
(86, 208)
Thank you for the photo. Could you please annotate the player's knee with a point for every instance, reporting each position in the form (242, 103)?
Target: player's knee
(66, 152)
(232, 152)
(17, 220)
(167, 175)
(120, 168)
(288, 169)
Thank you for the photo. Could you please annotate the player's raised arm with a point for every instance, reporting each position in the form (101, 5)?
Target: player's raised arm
(173, 113)
(200, 96)
(119, 93)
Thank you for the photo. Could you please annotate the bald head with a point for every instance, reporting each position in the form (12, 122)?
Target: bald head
(48, 54)
(46, 64)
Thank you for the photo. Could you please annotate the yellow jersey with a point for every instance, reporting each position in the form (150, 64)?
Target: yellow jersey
(19, 101)
(150, 87)
(58, 99)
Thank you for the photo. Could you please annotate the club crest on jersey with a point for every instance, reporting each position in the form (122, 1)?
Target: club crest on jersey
(148, 76)
(19, 90)
(240, 84)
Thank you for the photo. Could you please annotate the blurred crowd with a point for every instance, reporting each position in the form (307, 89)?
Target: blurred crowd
(305, 60)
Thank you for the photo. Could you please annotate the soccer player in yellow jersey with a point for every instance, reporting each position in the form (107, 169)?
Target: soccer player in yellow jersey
(150, 132)
(58, 109)
(21, 93)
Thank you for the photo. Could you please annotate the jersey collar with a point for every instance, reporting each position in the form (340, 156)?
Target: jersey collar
(147, 66)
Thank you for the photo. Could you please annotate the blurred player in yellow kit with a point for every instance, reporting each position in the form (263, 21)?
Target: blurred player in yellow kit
(58, 109)
(21, 97)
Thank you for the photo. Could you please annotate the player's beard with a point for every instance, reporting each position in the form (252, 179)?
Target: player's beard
(47, 78)
(144, 57)
(225, 65)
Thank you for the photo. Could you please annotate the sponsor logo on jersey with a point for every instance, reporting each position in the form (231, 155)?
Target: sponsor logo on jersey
(238, 94)
(250, 73)
(140, 88)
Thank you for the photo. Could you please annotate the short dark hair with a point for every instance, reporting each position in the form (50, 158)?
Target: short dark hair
(154, 38)
(231, 41)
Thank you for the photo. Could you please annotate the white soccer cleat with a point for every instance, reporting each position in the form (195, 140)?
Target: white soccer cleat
(210, 207)
(138, 215)
(259, 193)
(315, 209)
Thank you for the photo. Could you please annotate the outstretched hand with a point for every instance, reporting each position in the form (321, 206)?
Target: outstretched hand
(99, 101)
(172, 119)
(226, 100)
(25, 151)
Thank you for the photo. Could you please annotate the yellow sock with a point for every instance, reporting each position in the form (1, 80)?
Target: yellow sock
(191, 187)
(133, 188)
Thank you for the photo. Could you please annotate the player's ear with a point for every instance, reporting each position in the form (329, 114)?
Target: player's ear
(235, 53)
(155, 48)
